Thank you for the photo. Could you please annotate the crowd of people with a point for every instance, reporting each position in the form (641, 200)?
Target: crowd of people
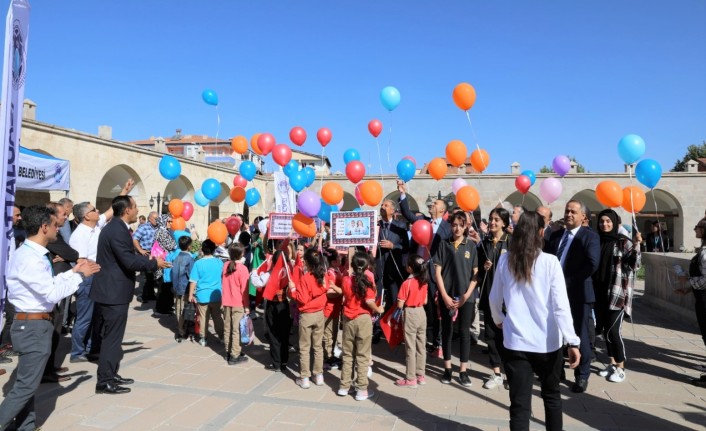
(544, 290)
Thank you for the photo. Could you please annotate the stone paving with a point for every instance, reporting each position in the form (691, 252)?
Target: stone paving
(189, 387)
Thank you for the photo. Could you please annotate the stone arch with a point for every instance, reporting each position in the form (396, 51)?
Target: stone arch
(664, 207)
(451, 205)
(113, 181)
(529, 200)
(349, 202)
(214, 207)
(180, 188)
(588, 197)
(395, 197)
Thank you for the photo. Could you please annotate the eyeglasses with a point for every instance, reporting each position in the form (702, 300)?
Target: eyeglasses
(94, 209)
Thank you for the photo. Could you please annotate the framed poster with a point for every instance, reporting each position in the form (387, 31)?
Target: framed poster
(281, 226)
(351, 228)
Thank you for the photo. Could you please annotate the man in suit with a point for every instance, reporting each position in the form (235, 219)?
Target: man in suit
(112, 290)
(546, 214)
(578, 250)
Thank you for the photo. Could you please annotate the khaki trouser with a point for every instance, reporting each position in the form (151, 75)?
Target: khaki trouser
(231, 318)
(212, 309)
(330, 336)
(415, 339)
(357, 338)
(179, 310)
(311, 333)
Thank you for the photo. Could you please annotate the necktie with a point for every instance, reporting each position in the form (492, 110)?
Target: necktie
(562, 244)
(51, 264)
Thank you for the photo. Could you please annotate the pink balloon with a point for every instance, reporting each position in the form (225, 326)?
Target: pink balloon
(457, 184)
(266, 142)
(340, 205)
(410, 158)
(239, 181)
(550, 189)
(359, 196)
(297, 135)
(324, 136)
(188, 211)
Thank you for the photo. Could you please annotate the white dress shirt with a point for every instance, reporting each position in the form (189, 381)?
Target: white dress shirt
(85, 239)
(32, 287)
(569, 240)
(538, 316)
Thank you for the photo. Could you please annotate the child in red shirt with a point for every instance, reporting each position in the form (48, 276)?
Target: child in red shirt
(332, 310)
(412, 298)
(235, 297)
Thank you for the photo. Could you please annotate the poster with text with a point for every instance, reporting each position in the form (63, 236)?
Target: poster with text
(352, 228)
(281, 226)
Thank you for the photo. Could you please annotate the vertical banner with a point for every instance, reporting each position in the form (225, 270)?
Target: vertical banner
(285, 199)
(13, 88)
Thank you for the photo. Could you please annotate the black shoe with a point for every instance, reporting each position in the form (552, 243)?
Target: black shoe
(446, 378)
(76, 359)
(376, 338)
(283, 368)
(93, 357)
(579, 386)
(562, 374)
(111, 388)
(239, 360)
(464, 379)
(55, 378)
(273, 367)
(122, 381)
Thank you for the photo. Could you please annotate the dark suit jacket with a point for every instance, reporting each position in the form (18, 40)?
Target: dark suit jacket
(388, 261)
(115, 282)
(59, 247)
(580, 263)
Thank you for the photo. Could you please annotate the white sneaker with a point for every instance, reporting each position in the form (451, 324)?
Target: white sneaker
(618, 376)
(363, 395)
(319, 380)
(303, 383)
(607, 371)
(202, 342)
(370, 371)
(493, 381)
(343, 392)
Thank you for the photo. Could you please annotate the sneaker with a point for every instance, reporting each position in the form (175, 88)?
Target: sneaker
(446, 378)
(607, 371)
(406, 383)
(239, 360)
(464, 379)
(202, 342)
(303, 382)
(437, 352)
(506, 385)
(370, 371)
(618, 376)
(421, 380)
(342, 392)
(494, 380)
(319, 380)
(362, 395)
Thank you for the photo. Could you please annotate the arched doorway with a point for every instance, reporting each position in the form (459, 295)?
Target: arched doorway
(395, 197)
(112, 183)
(529, 200)
(588, 197)
(178, 188)
(349, 202)
(214, 211)
(662, 206)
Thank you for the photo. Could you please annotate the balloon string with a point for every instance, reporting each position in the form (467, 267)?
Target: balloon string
(389, 145)
(321, 184)
(382, 179)
(661, 240)
(632, 203)
(218, 124)
(480, 153)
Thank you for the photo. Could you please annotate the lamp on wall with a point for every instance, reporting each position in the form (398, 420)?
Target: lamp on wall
(159, 202)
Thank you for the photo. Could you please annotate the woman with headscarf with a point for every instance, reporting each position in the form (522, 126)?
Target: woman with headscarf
(613, 283)
(164, 237)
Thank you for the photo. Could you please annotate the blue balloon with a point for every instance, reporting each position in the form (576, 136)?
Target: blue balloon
(359, 209)
(290, 168)
(252, 197)
(310, 175)
(530, 174)
(169, 167)
(298, 181)
(390, 98)
(211, 188)
(648, 172)
(200, 199)
(248, 170)
(325, 211)
(631, 148)
(405, 170)
(210, 97)
(350, 155)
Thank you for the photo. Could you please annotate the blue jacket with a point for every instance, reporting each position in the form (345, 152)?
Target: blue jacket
(181, 268)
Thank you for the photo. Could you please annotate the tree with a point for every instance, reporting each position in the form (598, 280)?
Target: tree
(579, 167)
(693, 152)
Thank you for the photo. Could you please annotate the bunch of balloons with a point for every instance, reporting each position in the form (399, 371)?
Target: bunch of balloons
(524, 181)
(610, 194)
(181, 212)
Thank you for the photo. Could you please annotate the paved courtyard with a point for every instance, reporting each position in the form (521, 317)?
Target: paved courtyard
(189, 387)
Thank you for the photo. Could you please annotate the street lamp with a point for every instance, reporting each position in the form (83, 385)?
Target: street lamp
(159, 202)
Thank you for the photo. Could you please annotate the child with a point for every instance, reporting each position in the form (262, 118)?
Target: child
(358, 304)
(181, 268)
(205, 290)
(235, 298)
(412, 298)
(332, 311)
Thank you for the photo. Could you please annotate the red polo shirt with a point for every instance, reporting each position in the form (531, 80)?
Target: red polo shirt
(309, 294)
(352, 305)
(411, 293)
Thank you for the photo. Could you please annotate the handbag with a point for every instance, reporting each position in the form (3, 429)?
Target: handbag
(189, 312)
(246, 330)
(158, 251)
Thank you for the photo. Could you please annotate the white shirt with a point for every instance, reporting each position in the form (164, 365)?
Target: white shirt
(85, 239)
(569, 240)
(31, 286)
(538, 315)
(436, 223)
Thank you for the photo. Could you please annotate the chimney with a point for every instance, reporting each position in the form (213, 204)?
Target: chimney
(629, 168)
(515, 168)
(692, 166)
(29, 110)
(574, 167)
(105, 132)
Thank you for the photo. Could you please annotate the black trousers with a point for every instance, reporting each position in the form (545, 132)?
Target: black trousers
(96, 330)
(465, 317)
(114, 319)
(700, 308)
(520, 368)
(278, 322)
(165, 297)
(494, 339)
(148, 287)
(581, 314)
(432, 309)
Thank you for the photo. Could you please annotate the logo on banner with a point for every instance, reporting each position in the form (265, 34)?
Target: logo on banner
(19, 56)
(57, 173)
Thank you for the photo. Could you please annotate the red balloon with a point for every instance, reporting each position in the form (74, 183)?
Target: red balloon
(523, 184)
(188, 211)
(239, 181)
(281, 154)
(297, 135)
(266, 142)
(411, 159)
(358, 196)
(324, 136)
(422, 232)
(355, 171)
(233, 225)
(375, 128)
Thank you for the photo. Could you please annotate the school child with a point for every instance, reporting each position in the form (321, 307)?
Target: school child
(412, 298)
(236, 301)
(277, 317)
(332, 310)
(181, 268)
(205, 290)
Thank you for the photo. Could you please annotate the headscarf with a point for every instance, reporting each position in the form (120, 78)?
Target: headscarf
(608, 242)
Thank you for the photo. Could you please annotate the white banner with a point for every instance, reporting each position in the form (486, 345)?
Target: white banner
(13, 89)
(37, 171)
(285, 197)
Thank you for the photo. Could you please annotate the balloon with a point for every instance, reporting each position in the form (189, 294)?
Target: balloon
(464, 96)
(266, 142)
(530, 174)
(247, 170)
(437, 168)
(422, 232)
(239, 144)
(456, 153)
(217, 232)
(233, 224)
(457, 184)
(297, 181)
(561, 165)
(411, 159)
(253, 143)
(282, 154)
(350, 155)
(178, 223)
(405, 170)
(355, 171)
(211, 188)
(467, 198)
(331, 193)
(252, 197)
(648, 172)
(310, 175)
(631, 148)
(309, 203)
(633, 199)
(188, 211)
(239, 181)
(339, 205)
(176, 208)
(358, 196)
(291, 167)
(210, 97)
(390, 98)
(325, 211)
(324, 136)
(480, 159)
(523, 184)
(237, 194)
(371, 192)
(304, 225)
(297, 135)
(550, 189)
(375, 127)
(169, 167)
(609, 193)
(200, 199)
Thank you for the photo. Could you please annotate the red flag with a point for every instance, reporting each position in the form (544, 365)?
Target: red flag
(277, 274)
(393, 329)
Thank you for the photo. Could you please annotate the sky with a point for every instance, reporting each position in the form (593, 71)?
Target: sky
(552, 77)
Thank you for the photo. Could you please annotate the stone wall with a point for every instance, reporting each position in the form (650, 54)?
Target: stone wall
(661, 281)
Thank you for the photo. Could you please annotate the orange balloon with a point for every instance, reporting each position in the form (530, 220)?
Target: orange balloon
(332, 193)
(636, 202)
(467, 198)
(178, 223)
(176, 207)
(239, 144)
(371, 192)
(304, 226)
(253, 143)
(456, 153)
(480, 159)
(437, 168)
(609, 193)
(237, 194)
(464, 96)
(217, 232)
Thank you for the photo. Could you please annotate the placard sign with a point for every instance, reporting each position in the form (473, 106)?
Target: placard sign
(351, 228)
(281, 226)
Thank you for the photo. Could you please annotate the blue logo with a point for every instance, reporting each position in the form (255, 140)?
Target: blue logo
(19, 56)
(57, 173)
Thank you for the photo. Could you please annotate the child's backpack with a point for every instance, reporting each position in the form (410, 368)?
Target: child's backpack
(246, 330)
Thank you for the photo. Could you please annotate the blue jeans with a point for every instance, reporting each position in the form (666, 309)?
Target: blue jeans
(81, 334)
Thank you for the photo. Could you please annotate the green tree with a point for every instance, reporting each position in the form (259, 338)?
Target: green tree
(579, 167)
(693, 152)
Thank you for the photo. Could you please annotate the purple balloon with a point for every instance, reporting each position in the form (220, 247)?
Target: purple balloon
(550, 189)
(561, 165)
(309, 203)
(457, 184)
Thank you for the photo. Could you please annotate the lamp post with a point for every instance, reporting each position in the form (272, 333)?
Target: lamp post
(159, 202)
